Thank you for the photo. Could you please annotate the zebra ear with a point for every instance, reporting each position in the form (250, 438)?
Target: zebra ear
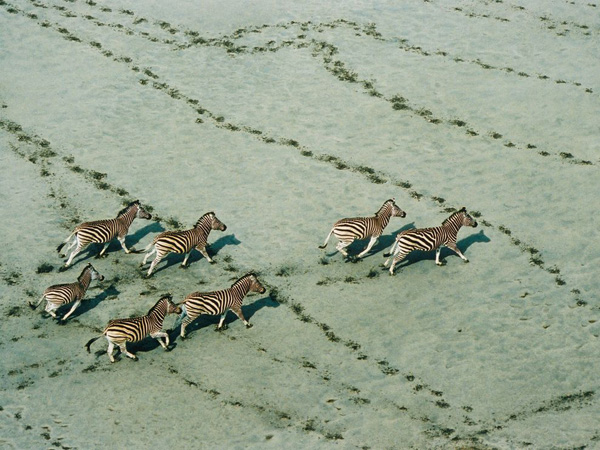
(463, 209)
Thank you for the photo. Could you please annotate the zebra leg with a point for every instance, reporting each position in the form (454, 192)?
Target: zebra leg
(111, 347)
(368, 247)
(73, 254)
(341, 246)
(101, 254)
(205, 254)
(154, 263)
(399, 257)
(184, 323)
(437, 256)
(75, 306)
(123, 348)
(148, 255)
(222, 327)
(69, 247)
(184, 264)
(122, 241)
(50, 307)
(238, 312)
(391, 251)
(161, 334)
(452, 246)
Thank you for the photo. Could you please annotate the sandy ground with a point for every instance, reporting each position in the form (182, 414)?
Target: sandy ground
(283, 117)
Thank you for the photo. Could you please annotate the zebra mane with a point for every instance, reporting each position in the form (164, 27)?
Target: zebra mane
(199, 221)
(384, 205)
(85, 270)
(127, 208)
(454, 214)
(155, 307)
(249, 274)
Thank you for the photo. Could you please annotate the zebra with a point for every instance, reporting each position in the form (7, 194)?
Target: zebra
(120, 331)
(219, 302)
(183, 241)
(63, 294)
(430, 239)
(349, 230)
(104, 231)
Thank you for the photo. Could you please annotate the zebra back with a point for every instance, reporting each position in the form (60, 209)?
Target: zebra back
(186, 240)
(137, 328)
(434, 237)
(217, 302)
(102, 231)
(363, 227)
(61, 294)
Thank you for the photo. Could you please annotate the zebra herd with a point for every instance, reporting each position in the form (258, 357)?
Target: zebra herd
(120, 331)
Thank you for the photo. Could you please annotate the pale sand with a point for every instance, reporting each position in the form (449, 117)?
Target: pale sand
(308, 113)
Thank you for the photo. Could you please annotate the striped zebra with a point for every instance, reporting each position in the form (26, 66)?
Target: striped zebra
(183, 241)
(120, 331)
(63, 294)
(430, 239)
(219, 302)
(349, 230)
(103, 231)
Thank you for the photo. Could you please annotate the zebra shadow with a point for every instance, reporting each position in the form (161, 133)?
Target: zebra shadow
(133, 239)
(385, 241)
(206, 320)
(89, 304)
(463, 245)
(212, 249)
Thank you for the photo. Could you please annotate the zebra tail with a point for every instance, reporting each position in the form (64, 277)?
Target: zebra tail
(34, 306)
(91, 341)
(326, 240)
(59, 248)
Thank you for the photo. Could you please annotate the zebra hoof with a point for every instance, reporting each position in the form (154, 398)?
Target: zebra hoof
(223, 328)
(466, 260)
(386, 255)
(61, 322)
(63, 268)
(184, 266)
(249, 325)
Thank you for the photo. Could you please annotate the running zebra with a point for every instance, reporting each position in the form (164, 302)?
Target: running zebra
(120, 331)
(104, 231)
(430, 239)
(183, 241)
(219, 302)
(349, 230)
(63, 294)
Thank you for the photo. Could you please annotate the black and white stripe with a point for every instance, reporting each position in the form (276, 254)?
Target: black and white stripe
(184, 241)
(349, 230)
(430, 239)
(120, 331)
(219, 302)
(104, 231)
(63, 294)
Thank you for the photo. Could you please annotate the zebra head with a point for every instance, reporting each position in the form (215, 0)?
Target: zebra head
(142, 213)
(255, 285)
(216, 224)
(95, 274)
(467, 220)
(172, 308)
(396, 211)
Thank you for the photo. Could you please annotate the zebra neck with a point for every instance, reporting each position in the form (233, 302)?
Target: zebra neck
(452, 228)
(84, 280)
(383, 217)
(241, 287)
(128, 216)
(158, 313)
